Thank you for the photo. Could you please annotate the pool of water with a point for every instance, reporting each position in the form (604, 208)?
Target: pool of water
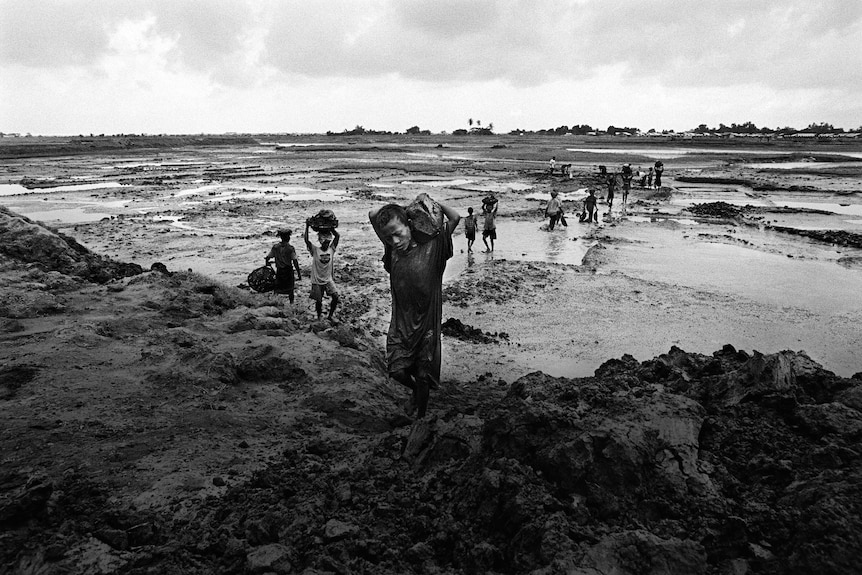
(576, 196)
(820, 286)
(522, 241)
(16, 189)
(803, 165)
(438, 183)
(65, 216)
(652, 219)
(220, 192)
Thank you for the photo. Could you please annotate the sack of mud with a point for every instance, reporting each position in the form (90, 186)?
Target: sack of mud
(323, 221)
(262, 279)
(426, 218)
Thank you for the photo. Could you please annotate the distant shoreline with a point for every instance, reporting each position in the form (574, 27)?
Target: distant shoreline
(48, 146)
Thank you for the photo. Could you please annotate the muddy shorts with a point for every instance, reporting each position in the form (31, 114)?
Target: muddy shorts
(490, 234)
(284, 280)
(317, 290)
(471, 235)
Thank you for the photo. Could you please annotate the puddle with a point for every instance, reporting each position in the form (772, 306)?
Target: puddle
(437, 183)
(289, 193)
(192, 191)
(648, 219)
(66, 216)
(577, 196)
(771, 278)
(521, 241)
(501, 187)
(803, 165)
(16, 189)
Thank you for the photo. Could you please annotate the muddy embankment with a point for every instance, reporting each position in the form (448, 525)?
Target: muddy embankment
(686, 463)
(747, 214)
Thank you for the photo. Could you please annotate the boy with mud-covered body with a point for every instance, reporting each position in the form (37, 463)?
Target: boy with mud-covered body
(321, 270)
(413, 347)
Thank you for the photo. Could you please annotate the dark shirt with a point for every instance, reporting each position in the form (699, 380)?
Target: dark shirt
(416, 282)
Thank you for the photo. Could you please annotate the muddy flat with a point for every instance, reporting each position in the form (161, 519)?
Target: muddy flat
(163, 390)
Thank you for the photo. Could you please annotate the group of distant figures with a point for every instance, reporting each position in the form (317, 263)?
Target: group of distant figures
(650, 179)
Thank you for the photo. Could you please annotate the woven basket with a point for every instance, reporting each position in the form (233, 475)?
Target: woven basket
(262, 279)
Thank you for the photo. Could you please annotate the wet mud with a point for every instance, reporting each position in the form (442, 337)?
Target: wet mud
(607, 415)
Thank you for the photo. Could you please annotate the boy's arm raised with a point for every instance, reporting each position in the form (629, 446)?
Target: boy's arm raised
(305, 237)
(372, 216)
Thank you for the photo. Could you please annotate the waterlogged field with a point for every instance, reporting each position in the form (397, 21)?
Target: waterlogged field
(215, 210)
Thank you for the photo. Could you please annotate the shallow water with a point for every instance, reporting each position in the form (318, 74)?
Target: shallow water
(18, 189)
(522, 241)
(64, 215)
(803, 165)
(438, 183)
(819, 286)
(221, 192)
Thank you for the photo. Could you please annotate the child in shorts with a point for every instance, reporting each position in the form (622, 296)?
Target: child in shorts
(321, 270)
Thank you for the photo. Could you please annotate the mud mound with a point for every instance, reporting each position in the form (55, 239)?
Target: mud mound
(717, 210)
(29, 242)
(730, 463)
(455, 328)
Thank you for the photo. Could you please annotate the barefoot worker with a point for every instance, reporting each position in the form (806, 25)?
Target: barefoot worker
(415, 263)
(284, 255)
(489, 209)
(321, 269)
(553, 210)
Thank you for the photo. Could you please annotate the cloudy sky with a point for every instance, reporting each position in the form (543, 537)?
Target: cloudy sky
(184, 66)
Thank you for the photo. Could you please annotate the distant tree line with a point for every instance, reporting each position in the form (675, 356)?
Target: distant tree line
(751, 128)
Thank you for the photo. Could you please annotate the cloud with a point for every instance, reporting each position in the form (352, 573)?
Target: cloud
(785, 44)
(535, 64)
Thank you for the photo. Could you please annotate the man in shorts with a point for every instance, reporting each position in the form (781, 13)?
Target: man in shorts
(321, 270)
(490, 229)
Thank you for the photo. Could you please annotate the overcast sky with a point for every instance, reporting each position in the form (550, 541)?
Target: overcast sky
(182, 66)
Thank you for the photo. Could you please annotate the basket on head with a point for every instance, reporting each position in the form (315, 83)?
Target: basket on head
(324, 220)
